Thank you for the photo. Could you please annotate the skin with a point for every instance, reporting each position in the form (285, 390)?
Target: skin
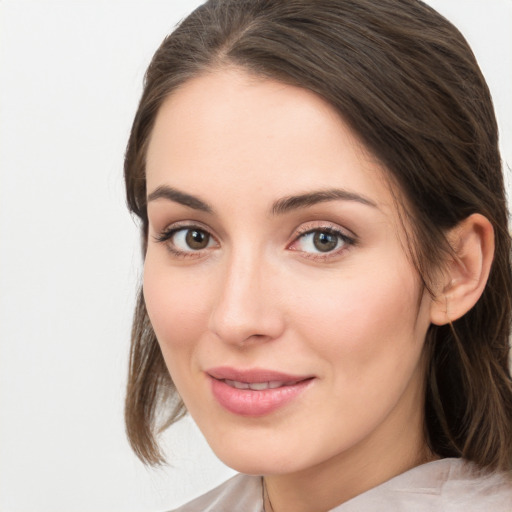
(261, 295)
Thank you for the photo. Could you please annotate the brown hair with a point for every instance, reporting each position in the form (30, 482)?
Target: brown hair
(406, 81)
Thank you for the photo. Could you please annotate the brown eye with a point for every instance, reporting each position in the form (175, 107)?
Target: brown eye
(197, 239)
(324, 241)
(187, 240)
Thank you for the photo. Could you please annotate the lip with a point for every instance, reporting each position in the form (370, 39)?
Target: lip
(278, 389)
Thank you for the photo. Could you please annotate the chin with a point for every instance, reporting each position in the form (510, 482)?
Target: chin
(258, 465)
(258, 460)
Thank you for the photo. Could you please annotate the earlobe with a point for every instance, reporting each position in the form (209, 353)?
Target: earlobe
(466, 274)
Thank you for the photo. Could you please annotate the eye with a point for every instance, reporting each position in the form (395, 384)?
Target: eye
(186, 240)
(191, 239)
(320, 241)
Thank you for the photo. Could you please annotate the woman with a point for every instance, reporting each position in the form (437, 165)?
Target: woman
(327, 282)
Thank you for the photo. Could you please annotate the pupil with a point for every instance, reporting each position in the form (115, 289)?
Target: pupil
(197, 239)
(325, 242)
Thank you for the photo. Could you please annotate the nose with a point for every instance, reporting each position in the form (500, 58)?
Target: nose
(246, 307)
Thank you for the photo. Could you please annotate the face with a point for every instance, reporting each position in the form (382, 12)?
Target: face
(289, 315)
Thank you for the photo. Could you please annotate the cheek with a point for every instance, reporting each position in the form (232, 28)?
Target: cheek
(366, 322)
(174, 305)
(370, 335)
(177, 306)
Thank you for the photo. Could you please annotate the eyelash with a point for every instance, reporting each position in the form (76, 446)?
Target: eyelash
(166, 235)
(347, 240)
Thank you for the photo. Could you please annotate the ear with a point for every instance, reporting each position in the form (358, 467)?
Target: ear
(465, 274)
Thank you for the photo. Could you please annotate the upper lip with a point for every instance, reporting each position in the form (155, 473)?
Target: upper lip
(253, 375)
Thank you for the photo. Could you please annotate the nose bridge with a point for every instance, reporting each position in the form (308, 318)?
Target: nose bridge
(243, 307)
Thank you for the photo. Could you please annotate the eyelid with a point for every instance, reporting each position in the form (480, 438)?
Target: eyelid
(170, 229)
(309, 227)
(166, 234)
(349, 238)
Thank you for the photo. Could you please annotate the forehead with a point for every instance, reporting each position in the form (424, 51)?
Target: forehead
(231, 132)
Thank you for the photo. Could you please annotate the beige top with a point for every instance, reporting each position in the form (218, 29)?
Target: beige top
(446, 485)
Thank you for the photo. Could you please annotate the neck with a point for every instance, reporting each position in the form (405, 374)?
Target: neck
(318, 492)
(393, 450)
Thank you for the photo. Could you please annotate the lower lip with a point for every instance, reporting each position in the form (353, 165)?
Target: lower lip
(249, 402)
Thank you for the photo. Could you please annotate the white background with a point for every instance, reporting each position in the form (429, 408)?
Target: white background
(70, 78)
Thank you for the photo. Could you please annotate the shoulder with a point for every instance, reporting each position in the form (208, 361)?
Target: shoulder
(241, 492)
(469, 488)
(447, 485)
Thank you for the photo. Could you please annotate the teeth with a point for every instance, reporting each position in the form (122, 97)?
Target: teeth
(236, 384)
(256, 386)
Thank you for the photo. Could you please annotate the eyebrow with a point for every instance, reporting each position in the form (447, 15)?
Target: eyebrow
(280, 207)
(289, 203)
(172, 194)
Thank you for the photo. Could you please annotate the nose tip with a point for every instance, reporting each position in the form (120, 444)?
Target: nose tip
(238, 330)
(245, 309)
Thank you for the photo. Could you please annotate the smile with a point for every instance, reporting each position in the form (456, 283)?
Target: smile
(255, 392)
(258, 386)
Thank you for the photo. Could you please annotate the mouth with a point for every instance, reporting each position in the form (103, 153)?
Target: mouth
(258, 386)
(255, 392)
(254, 375)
